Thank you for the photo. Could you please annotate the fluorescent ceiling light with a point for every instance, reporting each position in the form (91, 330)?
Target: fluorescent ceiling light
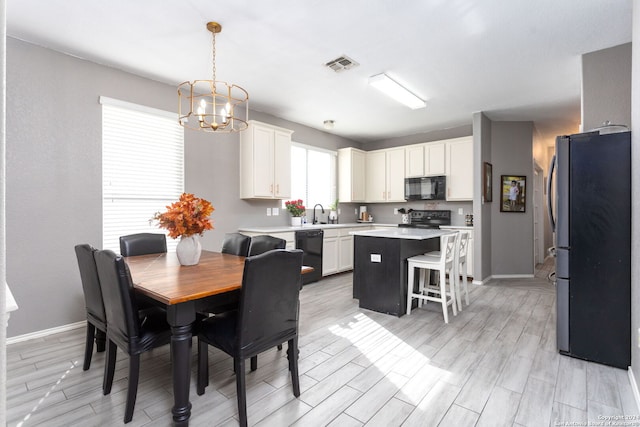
(393, 89)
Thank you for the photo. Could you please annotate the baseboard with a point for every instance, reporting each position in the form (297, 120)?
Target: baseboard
(512, 276)
(634, 387)
(45, 332)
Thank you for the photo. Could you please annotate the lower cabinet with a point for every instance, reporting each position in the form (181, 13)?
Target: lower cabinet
(337, 250)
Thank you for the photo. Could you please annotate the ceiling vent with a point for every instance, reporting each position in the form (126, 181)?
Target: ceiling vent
(341, 64)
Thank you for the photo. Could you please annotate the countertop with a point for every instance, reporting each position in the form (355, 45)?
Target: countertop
(402, 233)
(457, 227)
(284, 228)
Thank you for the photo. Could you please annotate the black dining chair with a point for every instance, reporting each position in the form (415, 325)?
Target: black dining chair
(264, 243)
(236, 244)
(143, 244)
(125, 329)
(94, 307)
(267, 316)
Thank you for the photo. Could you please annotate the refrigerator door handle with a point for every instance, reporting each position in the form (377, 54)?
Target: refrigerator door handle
(552, 220)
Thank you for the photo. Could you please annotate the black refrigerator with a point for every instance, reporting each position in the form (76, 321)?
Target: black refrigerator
(593, 246)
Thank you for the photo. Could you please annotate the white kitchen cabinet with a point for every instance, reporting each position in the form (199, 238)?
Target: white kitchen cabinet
(265, 162)
(385, 175)
(459, 159)
(345, 250)
(414, 160)
(351, 175)
(434, 159)
(330, 252)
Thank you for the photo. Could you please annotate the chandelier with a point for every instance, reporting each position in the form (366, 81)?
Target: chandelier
(211, 105)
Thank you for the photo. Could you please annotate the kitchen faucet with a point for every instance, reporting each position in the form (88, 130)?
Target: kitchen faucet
(315, 220)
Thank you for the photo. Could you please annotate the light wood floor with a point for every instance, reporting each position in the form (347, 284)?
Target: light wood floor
(495, 364)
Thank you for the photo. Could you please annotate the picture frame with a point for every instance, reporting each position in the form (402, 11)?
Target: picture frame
(513, 193)
(487, 182)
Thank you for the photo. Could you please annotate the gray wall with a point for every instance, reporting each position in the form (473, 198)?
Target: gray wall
(418, 138)
(512, 233)
(482, 210)
(54, 177)
(606, 87)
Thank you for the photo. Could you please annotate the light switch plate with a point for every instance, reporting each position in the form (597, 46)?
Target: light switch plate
(268, 211)
(275, 211)
(376, 258)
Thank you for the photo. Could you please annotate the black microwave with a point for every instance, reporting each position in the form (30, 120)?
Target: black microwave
(425, 188)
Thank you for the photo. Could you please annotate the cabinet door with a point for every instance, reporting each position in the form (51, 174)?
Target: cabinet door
(415, 160)
(460, 169)
(376, 173)
(329, 255)
(434, 159)
(282, 165)
(395, 175)
(345, 258)
(358, 177)
(263, 162)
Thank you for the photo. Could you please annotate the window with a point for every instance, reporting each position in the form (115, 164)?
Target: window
(313, 175)
(142, 168)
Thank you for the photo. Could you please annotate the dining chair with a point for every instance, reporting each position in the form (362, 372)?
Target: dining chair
(236, 244)
(267, 316)
(462, 244)
(442, 261)
(264, 243)
(94, 307)
(125, 330)
(143, 244)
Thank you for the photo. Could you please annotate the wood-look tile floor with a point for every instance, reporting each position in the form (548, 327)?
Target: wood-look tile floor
(494, 364)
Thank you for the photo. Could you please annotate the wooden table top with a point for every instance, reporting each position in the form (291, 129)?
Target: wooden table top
(161, 277)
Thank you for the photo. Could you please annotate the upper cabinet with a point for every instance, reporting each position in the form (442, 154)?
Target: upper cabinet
(425, 159)
(385, 175)
(351, 175)
(459, 168)
(265, 162)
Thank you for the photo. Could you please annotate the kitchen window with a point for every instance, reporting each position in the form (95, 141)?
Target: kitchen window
(142, 168)
(313, 175)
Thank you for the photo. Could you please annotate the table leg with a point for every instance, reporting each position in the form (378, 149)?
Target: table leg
(180, 317)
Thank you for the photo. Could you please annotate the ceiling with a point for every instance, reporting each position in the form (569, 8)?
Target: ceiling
(513, 60)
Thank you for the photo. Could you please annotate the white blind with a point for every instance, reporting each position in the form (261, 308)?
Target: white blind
(313, 175)
(142, 169)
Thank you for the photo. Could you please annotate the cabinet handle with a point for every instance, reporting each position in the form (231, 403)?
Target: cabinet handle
(383, 194)
(271, 189)
(277, 188)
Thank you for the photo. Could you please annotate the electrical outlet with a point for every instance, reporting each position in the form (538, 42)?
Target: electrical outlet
(460, 211)
(268, 211)
(376, 258)
(356, 209)
(338, 211)
(395, 211)
(275, 211)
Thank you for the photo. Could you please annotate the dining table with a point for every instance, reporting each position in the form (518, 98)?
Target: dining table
(186, 290)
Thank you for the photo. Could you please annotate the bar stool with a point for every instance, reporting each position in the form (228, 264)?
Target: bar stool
(462, 244)
(442, 261)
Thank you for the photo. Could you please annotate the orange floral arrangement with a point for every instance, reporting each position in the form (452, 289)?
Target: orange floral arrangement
(186, 217)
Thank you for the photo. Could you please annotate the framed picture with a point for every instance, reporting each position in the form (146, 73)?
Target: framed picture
(513, 191)
(487, 182)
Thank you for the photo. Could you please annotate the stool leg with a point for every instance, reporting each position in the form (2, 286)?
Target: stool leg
(409, 288)
(421, 287)
(456, 278)
(443, 296)
(452, 288)
(464, 282)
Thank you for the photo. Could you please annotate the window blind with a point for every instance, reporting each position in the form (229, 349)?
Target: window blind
(313, 175)
(142, 169)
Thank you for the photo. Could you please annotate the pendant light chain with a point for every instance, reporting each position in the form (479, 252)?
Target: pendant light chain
(213, 34)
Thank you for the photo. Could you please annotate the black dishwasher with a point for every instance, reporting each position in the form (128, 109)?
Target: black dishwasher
(310, 241)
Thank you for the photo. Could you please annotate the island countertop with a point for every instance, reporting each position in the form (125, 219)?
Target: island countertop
(402, 233)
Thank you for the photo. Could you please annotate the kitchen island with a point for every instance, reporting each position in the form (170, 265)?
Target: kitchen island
(380, 265)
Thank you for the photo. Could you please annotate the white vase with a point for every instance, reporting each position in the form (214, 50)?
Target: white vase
(189, 250)
(296, 221)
